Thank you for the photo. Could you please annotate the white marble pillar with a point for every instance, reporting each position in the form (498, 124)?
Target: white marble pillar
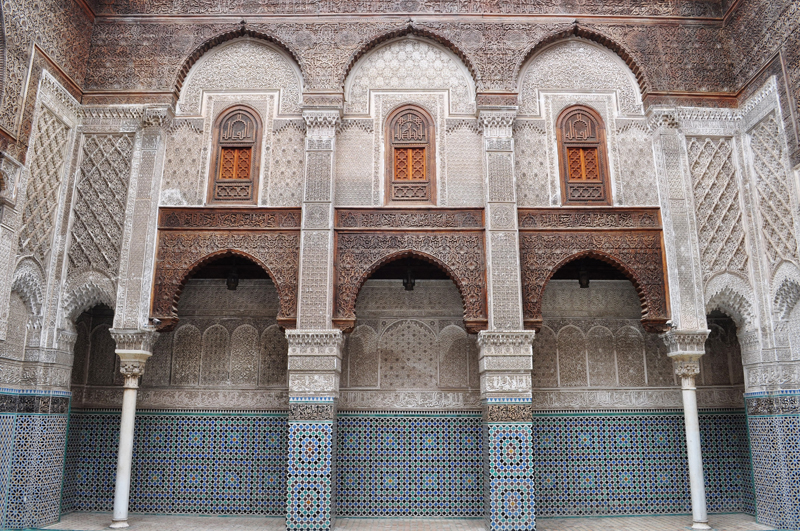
(686, 347)
(134, 347)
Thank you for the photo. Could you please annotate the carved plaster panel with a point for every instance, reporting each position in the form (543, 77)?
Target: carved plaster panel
(257, 66)
(556, 69)
(100, 202)
(409, 63)
(409, 349)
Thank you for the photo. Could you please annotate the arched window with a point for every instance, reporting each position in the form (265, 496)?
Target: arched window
(582, 156)
(237, 139)
(410, 157)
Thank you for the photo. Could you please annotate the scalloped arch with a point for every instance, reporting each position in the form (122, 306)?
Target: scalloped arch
(28, 283)
(576, 30)
(731, 295)
(86, 291)
(222, 38)
(409, 30)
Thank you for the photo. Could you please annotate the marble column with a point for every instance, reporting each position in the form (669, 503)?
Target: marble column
(686, 347)
(134, 347)
(505, 362)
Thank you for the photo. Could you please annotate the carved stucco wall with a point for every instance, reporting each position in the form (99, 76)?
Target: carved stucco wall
(592, 353)
(409, 64)
(581, 66)
(409, 349)
(605, 84)
(226, 353)
(246, 65)
(60, 27)
(437, 81)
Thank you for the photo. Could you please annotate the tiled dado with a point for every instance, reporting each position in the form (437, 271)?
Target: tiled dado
(33, 428)
(401, 464)
(409, 464)
(311, 464)
(222, 463)
(774, 424)
(635, 463)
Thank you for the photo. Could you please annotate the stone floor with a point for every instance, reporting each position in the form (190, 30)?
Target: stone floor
(97, 521)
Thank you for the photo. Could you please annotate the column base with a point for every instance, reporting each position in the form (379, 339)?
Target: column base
(118, 524)
(701, 525)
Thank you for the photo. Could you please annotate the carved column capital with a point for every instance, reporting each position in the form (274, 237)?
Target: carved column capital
(134, 347)
(686, 368)
(160, 116)
(321, 124)
(497, 124)
(685, 343)
(662, 119)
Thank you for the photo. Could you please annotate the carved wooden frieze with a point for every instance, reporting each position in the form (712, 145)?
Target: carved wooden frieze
(409, 219)
(629, 238)
(452, 239)
(190, 237)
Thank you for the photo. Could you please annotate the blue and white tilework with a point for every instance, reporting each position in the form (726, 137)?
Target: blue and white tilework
(33, 429)
(183, 463)
(620, 464)
(311, 475)
(406, 465)
(508, 477)
(774, 425)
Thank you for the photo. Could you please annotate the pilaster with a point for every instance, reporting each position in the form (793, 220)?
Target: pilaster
(315, 293)
(502, 236)
(315, 364)
(680, 233)
(505, 362)
(137, 257)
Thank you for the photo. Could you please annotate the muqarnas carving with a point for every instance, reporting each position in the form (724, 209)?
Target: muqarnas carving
(629, 239)
(360, 251)
(191, 237)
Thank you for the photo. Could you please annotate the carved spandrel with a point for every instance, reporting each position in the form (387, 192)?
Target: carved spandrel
(460, 253)
(190, 237)
(630, 239)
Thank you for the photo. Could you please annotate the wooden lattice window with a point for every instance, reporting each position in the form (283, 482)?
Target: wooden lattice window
(237, 137)
(582, 155)
(410, 156)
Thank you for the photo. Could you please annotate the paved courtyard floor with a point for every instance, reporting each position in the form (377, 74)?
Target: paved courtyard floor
(98, 521)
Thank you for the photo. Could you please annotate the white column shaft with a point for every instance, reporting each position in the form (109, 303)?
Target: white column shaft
(695, 457)
(124, 459)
